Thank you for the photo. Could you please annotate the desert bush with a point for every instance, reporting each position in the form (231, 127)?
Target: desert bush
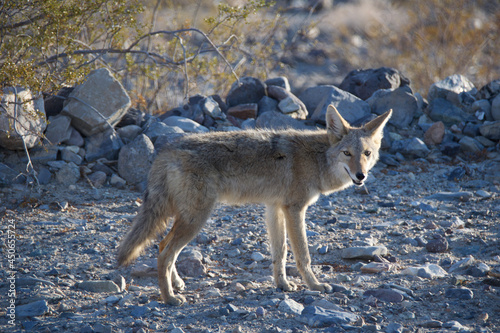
(160, 52)
(50, 43)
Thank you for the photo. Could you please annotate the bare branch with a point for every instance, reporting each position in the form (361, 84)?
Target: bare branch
(165, 60)
(23, 23)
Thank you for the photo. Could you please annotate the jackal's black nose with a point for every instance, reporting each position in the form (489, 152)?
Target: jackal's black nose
(360, 175)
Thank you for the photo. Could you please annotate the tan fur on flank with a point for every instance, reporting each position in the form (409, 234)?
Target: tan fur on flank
(285, 170)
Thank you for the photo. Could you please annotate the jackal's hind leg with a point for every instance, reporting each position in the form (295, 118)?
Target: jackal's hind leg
(184, 229)
(177, 281)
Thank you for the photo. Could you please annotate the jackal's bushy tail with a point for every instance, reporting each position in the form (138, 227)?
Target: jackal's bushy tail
(150, 220)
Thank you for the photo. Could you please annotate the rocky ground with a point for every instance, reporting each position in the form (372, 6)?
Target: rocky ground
(423, 240)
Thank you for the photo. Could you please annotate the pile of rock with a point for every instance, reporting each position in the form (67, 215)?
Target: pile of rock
(92, 132)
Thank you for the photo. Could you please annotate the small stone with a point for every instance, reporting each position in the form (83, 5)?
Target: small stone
(435, 134)
(460, 293)
(44, 176)
(363, 252)
(491, 130)
(120, 282)
(117, 181)
(112, 299)
(315, 316)
(432, 324)
(427, 271)
(376, 267)
(260, 312)
(323, 249)
(129, 133)
(139, 311)
(437, 245)
(455, 326)
(68, 174)
(463, 264)
(386, 295)
(451, 196)
(290, 306)
(470, 145)
(190, 266)
(70, 154)
(38, 308)
(145, 268)
(323, 303)
(211, 108)
(99, 286)
(98, 178)
(280, 81)
(257, 256)
(394, 328)
(239, 287)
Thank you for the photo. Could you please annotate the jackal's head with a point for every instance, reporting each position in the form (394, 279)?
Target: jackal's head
(355, 150)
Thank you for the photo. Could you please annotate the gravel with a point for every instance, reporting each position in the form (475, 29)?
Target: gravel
(67, 280)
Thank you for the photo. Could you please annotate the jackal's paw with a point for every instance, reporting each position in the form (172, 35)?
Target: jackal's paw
(178, 284)
(174, 300)
(323, 287)
(287, 286)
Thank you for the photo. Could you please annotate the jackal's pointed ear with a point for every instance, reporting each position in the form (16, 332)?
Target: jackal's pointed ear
(376, 126)
(335, 124)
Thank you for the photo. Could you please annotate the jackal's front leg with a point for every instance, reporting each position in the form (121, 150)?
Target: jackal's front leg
(296, 228)
(275, 220)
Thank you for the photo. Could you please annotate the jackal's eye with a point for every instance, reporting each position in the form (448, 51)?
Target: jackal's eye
(367, 153)
(346, 153)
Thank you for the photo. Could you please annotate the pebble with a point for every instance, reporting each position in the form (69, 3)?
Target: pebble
(257, 256)
(290, 306)
(376, 267)
(315, 316)
(99, 286)
(394, 328)
(427, 271)
(451, 196)
(386, 295)
(363, 252)
(437, 245)
(460, 293)
(34, 309)
(462, 264)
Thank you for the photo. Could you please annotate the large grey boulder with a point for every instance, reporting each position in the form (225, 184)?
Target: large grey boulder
(491, 130)
(185, 124)
(402, 102)
(59, 129)
(443, 110)
(451, 88)
(21, 117)
(97, 103)
(105, 144)
(495, 108)
(248, 90)
(364, 82)
(288, 103)
(135, 160)
(490, 90)
(350, 107)
(278, 121)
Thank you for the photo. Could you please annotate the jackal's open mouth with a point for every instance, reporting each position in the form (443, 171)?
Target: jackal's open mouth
(355, 181)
